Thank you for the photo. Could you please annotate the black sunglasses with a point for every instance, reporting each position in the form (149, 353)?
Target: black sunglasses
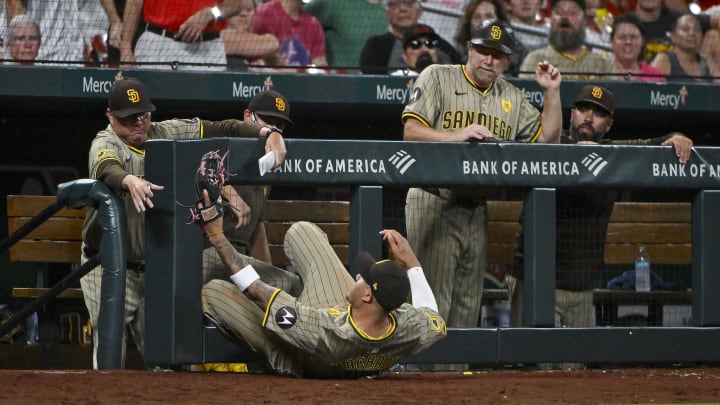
(132, 119)
(416, 44)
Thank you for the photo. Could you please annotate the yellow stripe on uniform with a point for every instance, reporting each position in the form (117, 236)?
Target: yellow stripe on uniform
(267, 309)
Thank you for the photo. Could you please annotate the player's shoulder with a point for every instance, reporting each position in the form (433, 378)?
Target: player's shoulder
(174, 124)
(439, 72)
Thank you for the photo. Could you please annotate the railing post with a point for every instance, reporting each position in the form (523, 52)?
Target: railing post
(705, 258)
(539, 251)
(365, 221)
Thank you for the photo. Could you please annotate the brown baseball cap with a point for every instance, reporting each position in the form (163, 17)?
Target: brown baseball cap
(129, 96)
(272, 104)
(388, 281)
(597, 95)
(496, 35)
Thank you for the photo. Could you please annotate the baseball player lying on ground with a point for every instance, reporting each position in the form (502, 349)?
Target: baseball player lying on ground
(315, 333)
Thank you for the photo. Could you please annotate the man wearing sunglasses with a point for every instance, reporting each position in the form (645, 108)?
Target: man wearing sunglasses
(117, 156)
(382, 54)
(420, 44)
(460, 103)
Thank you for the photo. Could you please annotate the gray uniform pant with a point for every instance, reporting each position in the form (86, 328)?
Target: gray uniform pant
(325, 281)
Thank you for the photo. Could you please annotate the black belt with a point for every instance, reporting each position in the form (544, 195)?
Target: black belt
(460, 201)
(130, 265)
(206, 36)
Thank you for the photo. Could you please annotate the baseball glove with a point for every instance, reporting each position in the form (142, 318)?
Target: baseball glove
(210, 176)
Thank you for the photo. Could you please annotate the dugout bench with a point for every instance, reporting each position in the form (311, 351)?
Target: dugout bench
(178, 334)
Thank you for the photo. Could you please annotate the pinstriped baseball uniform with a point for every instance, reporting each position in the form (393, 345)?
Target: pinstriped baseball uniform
(314, 335)
(448, 227)
(107, 147)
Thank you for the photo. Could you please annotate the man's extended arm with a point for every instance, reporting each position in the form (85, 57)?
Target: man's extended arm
(422, 295)
(243, 275)
(680, 143)
(548, 77)
(236, 128)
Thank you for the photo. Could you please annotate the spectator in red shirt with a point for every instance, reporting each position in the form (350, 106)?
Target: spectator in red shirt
(301, 37)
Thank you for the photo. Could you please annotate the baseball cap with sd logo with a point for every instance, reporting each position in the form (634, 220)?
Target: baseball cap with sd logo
(129, 96)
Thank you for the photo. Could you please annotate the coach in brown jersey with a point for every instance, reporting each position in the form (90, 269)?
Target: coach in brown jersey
(334, 327)
(117, 158)
(470, 102)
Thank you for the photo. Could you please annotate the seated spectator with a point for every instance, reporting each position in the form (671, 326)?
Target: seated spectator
(684, 62)
(529, 23)
(627, 40)
(301, 37)
(476, 12)
(658, 20)
(59, 22)
(420, 43)
(383, 53)
(243, 47)
(347, 25)
(567, 50)
(22, 41)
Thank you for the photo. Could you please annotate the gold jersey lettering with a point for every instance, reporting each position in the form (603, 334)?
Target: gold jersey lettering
(454, 120)
(369, 362)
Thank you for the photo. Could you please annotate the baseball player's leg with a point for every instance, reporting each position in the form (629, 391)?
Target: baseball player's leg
(91, 287)
(471, 226)
(429, 234)
(574, 308)
(515, 292)
(240, 319)
(214, 268)
(325, 279)
(135, 302)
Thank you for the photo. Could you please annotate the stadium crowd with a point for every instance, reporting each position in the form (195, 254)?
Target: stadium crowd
(661, 39)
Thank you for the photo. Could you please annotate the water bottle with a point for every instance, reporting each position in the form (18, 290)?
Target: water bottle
(31, 330)
(642, 270)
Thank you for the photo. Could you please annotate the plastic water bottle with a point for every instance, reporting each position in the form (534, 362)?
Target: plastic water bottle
(642, 270)
(31, 330)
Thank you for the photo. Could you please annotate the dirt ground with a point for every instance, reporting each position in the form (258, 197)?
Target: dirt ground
(617, 386)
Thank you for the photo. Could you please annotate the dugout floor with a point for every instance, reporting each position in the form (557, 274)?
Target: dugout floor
(624, 386)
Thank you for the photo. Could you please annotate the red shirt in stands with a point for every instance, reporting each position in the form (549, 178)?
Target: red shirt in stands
(170, 14)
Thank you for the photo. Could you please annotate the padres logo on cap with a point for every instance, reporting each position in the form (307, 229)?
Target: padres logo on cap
(597, 92)
(133, 96)
(279, 104)
(495, 32)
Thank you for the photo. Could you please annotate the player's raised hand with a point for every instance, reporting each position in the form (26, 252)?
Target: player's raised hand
(547, 76)
(400, 247)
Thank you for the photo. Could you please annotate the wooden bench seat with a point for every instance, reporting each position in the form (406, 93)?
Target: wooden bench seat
(333, 217)
(56, 240)
(664, 228)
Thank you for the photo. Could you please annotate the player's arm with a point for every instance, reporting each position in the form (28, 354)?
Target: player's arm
(548, 77)
(246, 129)
(680, 143)
(238, 206)
(422, 295)
(243, 275)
